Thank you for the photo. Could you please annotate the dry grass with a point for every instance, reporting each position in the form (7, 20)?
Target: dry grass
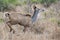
(44, 29)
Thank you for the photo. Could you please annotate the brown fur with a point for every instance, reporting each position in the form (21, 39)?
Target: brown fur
(16, 18)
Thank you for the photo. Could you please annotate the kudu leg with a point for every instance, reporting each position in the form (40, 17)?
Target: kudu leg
(24, 30)
(11, 29)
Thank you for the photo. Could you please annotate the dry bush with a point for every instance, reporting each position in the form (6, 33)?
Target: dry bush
(56, 34)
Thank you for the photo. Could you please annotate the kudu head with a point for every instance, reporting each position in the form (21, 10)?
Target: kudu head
(36, 12)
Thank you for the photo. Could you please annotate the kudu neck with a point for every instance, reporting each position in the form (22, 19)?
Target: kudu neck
(34, 17)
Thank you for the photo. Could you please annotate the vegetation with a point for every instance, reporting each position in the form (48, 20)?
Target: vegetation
(1, 20)
(45, 2)
(47, 25)
(58, 22)
(6, 3)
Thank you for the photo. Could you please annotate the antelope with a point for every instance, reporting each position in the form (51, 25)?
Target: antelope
(24, 20)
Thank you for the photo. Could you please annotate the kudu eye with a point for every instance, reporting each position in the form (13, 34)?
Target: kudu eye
(43, 10)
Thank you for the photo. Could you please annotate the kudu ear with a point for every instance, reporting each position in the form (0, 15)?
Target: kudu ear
(34, 7)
